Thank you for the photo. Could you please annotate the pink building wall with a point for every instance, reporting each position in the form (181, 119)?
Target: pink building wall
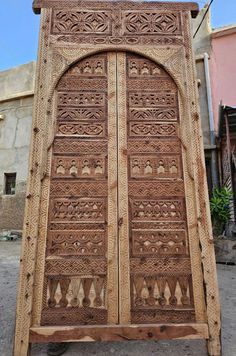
(223, 69)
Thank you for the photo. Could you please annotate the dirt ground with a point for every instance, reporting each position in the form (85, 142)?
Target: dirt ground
(9, 262)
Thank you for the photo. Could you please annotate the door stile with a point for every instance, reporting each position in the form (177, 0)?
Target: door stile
(112, 248)
(123, 216)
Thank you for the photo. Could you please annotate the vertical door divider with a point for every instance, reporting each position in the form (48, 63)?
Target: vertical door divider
(112, 226)
(123, 217)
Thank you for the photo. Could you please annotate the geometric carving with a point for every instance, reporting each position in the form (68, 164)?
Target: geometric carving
(162, 209)
(82, 266)
(80, 114)
(73, 316)
(138, 67)
(76, 291)
(84, 189)
(151, 167)
(152, 129)
(77, 209)
(146, 40)
(163, 189)
(72, 83)
(149, 316)
(76, 263)
(153, 114)
(150, 85)
(157, 225)
(81, 22)
(95, 66)
(115, 165)
(84, 243)
(152, 22)
(72, 145)
(81, 129)
(81, 99)
(83, 166)
(172, 145)
(161, 292)
(160, 284)
(167, 242)
(171, 266)
(146, 100)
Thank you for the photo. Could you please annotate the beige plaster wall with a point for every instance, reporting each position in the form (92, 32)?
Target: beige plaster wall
(16, 101)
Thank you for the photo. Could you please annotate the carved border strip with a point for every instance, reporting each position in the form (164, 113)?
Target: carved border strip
(31, 221)
(124, 274)
(203, 211)
(112, 277)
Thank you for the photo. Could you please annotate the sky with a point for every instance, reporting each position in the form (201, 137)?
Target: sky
(19, 28)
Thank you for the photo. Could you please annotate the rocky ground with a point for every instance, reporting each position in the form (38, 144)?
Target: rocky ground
(9, 261)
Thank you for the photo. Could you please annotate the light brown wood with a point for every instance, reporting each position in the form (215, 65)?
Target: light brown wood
(117, 124)
(119, 333)
(123, 204)
(112, 278)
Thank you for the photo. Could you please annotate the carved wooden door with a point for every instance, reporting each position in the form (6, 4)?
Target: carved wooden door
(117, 247)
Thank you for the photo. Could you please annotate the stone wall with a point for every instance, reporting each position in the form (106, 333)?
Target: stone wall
(16, 101)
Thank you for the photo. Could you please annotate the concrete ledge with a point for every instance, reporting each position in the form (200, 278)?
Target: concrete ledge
(21, 95)
(17, 82)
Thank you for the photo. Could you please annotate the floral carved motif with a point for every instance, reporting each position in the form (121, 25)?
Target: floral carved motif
(152, 129)
(88, 22)
(82, 129)
(152, 23)
(80, 114)
(154, 114)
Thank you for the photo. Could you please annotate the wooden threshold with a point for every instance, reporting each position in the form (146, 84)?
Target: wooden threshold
(90, 333)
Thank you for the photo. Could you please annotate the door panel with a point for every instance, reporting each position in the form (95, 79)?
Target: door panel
(160, 270)
(117, 246)
(81, 262)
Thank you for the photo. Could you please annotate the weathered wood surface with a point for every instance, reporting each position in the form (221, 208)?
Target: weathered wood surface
(119, 333)
(117, 227)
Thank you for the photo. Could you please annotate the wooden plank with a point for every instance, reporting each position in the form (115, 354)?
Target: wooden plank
(202, 205)
(33, 195)
(188, 6)
(123, 216)
(118, 333)
(112, 277)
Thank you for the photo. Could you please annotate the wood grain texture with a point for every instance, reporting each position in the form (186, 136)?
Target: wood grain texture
(122, 140)
(119, 333)
(123, 216)
(112, 279)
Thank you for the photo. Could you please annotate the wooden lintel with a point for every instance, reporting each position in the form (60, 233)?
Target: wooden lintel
(182, 6)
(117, 333)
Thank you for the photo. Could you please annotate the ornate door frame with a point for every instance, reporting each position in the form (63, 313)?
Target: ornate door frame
(55, 57)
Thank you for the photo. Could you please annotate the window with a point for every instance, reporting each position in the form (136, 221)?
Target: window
(10, 183)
